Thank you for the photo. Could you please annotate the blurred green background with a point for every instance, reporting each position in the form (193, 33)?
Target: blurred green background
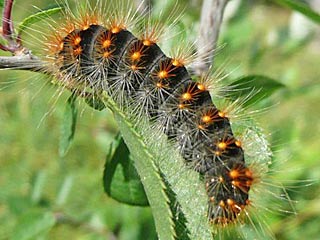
(44, 196)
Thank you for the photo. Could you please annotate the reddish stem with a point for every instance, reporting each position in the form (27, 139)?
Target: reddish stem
(7, 27)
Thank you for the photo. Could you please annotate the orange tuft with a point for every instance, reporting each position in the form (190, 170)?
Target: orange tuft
(206, 119)
(159, 85)
(186, 96)
(77, 51)
(147, 42)
(235, 183)
(238, 143)
(136, 56)
(60, 46)
(218, 153)
(201, 127)
(230, 202)
(222, 145)
(222, 204)
(222, 114)
(221, 179)
(116, 29)
(134, 67)
(181, 106)
(106, 43)
(177, 62)
(77, 40)
(234, 173)
(163, 74)
(107, 54)
(201, 87)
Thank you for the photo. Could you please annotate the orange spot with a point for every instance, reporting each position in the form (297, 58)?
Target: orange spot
(238, 143)
(159, 85)
(77, 40)
(211, 199)
(234, 173)
(218, 153)
(85, 26)
(77, 51)
(106, 43)
(248, 183)
(181, 106)
(206, 119)
(136, 56)
(115, 29)
(230, 202)
(222, 145)
(177, 63)
(201, 127)
(107, 54)
(222, 114)
(221, 179)
(187, 96)
(235, 183)
(201, 87)
(134, 67)
(147, 42)
(222, 204)
(163, 74)
(248, 173)
(60, 46)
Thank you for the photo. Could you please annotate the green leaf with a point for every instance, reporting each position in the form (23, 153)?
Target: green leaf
(150, 177)
(160, 167)
(1, 3)
(253, 88)
(120, 178)
(68, 126)
(95, 102)
(300, 7)
(33, 224)
(34, 18)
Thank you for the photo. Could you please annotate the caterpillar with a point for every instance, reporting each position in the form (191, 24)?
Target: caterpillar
(95, 53)
(130, 69)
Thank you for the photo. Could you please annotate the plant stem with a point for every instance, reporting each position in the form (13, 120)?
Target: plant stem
(7, 27)
(23, 62)
(211, 19)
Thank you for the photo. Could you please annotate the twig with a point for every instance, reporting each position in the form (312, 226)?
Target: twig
(23, 62)
(13, 42)
(211, 19)
(7, 27)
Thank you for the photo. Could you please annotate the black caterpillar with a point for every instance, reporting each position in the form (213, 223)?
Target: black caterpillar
(133, 70)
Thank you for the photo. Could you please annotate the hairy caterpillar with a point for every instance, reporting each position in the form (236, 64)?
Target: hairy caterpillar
(95, 56)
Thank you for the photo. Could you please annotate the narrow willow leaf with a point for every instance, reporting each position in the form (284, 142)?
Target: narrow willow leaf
(300, 7)
(64, 190)
(150, 178)
(34, 18)
(178, 216)
(94, 102)
(120, 178)
(160, 167)
(33, 225)
(38, 184)
(68, 126)
(253, 88)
